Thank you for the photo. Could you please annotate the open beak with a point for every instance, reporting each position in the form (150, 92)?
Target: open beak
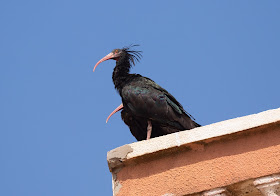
(107, 57)
(116, 110)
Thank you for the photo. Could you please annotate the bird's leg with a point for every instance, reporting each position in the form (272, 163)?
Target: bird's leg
(149, 130)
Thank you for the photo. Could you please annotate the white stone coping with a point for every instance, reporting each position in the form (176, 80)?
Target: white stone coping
(116, 156)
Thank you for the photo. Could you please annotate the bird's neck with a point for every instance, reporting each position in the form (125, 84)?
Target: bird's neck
(121, 72)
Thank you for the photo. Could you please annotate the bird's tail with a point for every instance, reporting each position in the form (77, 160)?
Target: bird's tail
(196, 124)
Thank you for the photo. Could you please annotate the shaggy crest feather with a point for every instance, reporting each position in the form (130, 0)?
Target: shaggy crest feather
(133, 54)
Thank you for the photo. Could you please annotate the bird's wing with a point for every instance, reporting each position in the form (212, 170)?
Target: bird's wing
(171, 100)
(143, 97)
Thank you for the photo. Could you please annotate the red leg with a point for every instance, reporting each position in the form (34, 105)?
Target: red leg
(149, 130)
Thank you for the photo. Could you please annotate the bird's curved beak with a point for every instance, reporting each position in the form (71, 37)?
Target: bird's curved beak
(107, 57)
(116, 110)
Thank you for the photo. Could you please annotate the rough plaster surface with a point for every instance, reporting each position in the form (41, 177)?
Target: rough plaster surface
(115, 160)
(117, 156)
(201, 159)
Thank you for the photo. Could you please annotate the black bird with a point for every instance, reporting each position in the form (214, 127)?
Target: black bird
(148, 109)
(138, 125)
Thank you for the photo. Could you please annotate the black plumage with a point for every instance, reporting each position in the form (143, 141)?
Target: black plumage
(148, 109)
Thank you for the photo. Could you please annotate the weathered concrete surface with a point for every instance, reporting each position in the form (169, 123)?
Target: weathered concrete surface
(117, 156)
(193, 161)
(115, 160)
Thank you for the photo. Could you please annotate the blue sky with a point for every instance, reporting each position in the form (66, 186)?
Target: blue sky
(220, 59)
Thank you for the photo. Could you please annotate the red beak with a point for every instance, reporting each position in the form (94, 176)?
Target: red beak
(107, 57)
(116, 110)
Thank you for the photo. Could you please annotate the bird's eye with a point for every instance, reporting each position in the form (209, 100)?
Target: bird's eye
(116, 51)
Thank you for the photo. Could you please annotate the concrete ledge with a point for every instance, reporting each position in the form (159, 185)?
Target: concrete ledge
(206, 133)
(203, 145)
